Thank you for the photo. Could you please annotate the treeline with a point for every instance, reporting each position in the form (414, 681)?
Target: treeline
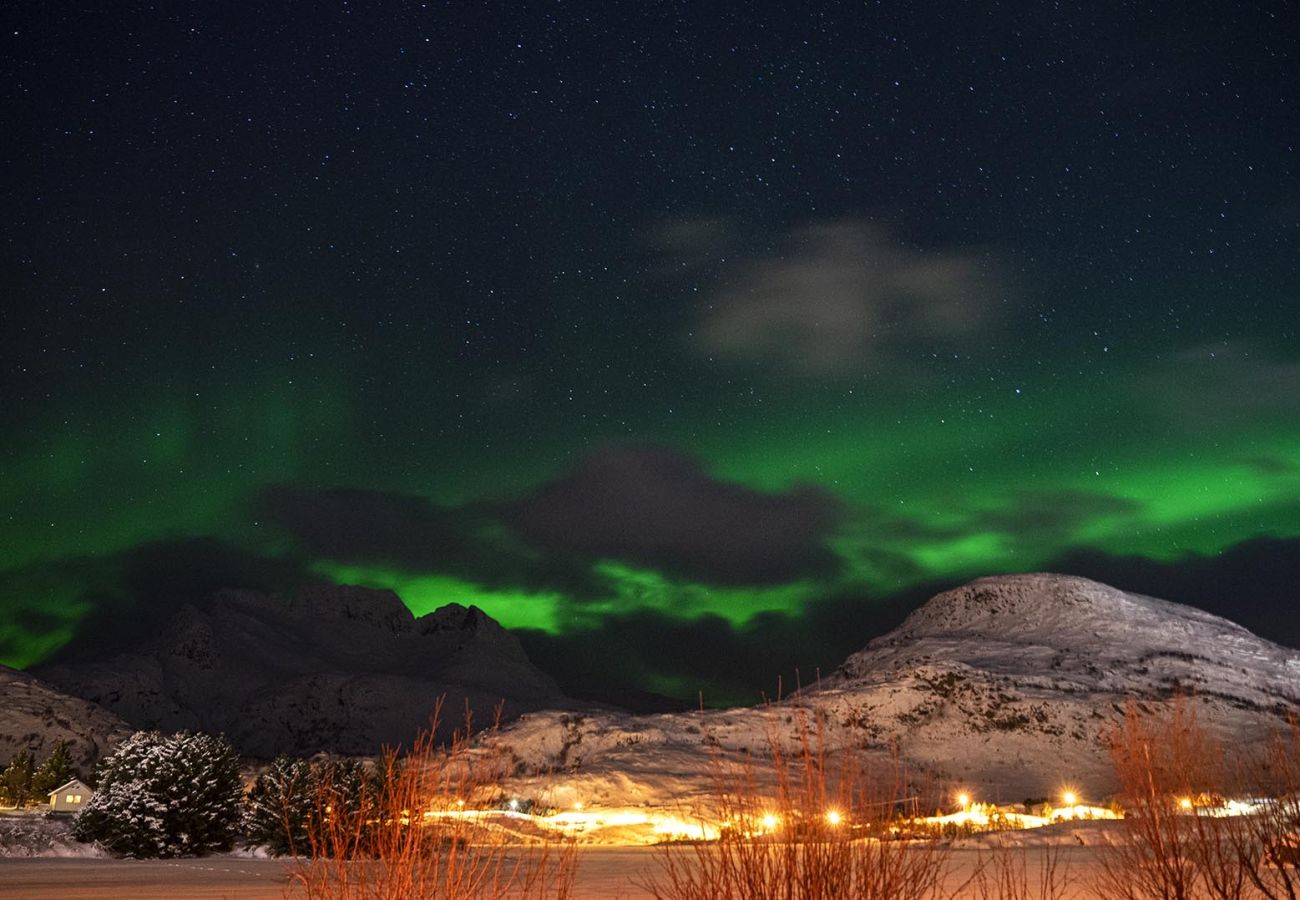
(165, 795)
(24, 781)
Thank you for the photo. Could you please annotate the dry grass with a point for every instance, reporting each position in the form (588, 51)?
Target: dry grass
(808, 824)
(1006, 874)
(407, 830)
(1157, 762)
(1180, 842)
(1267, 844)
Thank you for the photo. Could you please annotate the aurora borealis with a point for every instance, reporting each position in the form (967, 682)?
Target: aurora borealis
(695, 343)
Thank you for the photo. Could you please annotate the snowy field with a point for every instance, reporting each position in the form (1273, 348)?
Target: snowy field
(603, 872)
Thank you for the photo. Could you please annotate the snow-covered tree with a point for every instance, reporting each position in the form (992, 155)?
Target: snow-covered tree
(278, 808)
(165, 795)
(57, 770)
(16, 782)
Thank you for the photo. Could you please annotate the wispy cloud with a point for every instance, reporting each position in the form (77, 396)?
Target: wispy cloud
(1224, 382)
(840, 296)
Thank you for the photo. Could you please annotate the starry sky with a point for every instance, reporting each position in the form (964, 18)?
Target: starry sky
(696, 342)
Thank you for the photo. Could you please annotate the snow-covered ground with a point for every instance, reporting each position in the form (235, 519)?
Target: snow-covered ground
(31, 833)
(602, 872)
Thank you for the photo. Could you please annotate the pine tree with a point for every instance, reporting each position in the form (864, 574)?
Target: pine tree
(279, 807)
(16, 782)
(165, 795)
(57, 770)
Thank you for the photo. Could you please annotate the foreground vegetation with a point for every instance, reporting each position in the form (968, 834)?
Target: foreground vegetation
(832, 829)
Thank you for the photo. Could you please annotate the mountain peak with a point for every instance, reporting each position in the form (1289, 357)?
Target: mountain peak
(1052, 608)
(1023, 624)
(1005, 603)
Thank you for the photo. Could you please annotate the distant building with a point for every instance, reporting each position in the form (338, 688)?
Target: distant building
(70, 797)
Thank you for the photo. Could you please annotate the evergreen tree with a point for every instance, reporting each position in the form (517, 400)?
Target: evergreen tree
(16, 782)
(278, 809)
(165, 795)
(57, 770)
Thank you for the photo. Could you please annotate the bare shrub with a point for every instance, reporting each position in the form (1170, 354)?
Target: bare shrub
(1005, 873)
(411, 828)
(809, 824)
(1267, 842)
(1157, 763)
(1182, 838)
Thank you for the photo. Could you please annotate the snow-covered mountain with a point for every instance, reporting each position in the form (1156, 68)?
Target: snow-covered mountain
(340, 669)
(35, 716)
(1006, 686)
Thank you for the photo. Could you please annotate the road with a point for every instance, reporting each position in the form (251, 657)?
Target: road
(603, 873)
(212, 878)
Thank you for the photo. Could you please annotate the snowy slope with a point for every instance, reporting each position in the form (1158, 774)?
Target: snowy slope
(1005, 686)
(34, 716)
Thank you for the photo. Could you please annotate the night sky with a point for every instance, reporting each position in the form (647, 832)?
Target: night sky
(696, 341)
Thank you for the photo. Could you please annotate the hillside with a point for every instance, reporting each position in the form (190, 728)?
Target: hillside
(1005, 687)
(34, 716)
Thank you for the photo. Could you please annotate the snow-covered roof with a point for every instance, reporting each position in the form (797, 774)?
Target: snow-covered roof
(74, 783)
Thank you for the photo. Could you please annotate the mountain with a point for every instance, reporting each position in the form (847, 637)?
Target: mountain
(35, 716)
(1005, 687)
(339, 669)
(1019, 670)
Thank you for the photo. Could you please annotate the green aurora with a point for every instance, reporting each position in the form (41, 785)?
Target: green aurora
(984, 481)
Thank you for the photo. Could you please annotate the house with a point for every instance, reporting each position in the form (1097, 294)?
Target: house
(70, 797)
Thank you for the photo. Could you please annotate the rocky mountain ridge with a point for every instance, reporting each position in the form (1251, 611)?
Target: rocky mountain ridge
(339, 669)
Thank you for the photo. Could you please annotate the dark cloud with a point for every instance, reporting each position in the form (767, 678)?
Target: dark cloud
(1050, 515)
(363, 526)
(728, 664)
(113, 601)
(655, 507)
(413, 534)
(645, 506)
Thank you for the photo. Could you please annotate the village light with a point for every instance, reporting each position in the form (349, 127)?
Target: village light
(514, 804)
(1185, 802)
